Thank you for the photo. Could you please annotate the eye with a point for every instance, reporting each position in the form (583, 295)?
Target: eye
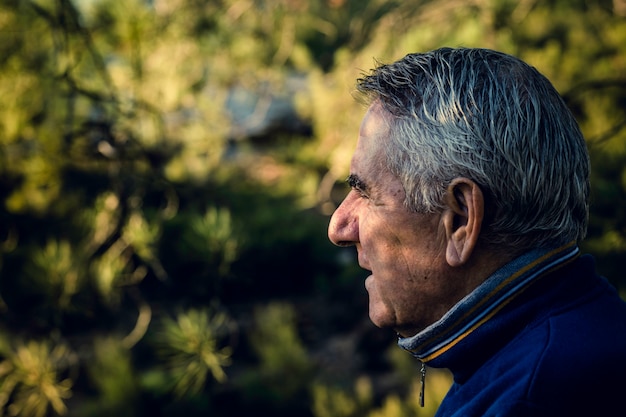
(360, 192)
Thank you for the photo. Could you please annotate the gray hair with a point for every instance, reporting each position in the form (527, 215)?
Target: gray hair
(490, 117)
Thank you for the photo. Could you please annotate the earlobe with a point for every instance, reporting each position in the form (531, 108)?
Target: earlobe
(462, 220)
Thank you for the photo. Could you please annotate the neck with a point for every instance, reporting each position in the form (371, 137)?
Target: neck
(480, 305)
(468, 277)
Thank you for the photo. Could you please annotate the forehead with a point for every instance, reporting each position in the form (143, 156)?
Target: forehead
(373, 137)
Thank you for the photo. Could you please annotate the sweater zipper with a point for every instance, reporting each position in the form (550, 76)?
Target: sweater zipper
(422, 383)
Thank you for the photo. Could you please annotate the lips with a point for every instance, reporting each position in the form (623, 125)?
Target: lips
(363, 261)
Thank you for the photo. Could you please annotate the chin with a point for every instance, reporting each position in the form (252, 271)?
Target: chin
(381, 322)
(406, 333)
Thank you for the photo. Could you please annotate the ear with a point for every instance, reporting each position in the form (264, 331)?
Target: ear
(462, 219)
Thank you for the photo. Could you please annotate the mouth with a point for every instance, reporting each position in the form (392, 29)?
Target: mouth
(363, 262)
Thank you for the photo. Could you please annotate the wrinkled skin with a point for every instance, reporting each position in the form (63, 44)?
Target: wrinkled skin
(414, 277)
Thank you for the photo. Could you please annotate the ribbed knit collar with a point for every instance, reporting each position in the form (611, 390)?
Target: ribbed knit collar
(485, 301)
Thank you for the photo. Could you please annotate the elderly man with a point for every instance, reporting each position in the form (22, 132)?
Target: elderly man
(469, 193)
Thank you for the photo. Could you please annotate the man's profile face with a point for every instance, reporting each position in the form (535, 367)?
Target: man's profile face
(411, 286)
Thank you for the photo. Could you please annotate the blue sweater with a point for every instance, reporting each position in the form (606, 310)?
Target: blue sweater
(543, 336)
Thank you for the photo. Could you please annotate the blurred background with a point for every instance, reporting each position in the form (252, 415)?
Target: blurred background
(167, 172)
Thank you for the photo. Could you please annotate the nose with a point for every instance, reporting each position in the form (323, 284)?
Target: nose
(343, 229)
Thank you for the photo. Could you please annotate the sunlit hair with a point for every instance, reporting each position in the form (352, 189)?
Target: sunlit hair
(490, 117)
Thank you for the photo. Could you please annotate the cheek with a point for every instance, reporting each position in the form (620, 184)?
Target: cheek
(385, 233)
(403, 244)
(395, 246)
(413, 263)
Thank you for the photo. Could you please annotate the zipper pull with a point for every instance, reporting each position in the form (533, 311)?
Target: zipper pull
(422, 383)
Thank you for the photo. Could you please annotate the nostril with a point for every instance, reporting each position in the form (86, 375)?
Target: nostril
(342, 231)
(334, 235)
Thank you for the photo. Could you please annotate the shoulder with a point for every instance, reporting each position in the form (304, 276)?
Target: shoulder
(581, 362)
(556, 368)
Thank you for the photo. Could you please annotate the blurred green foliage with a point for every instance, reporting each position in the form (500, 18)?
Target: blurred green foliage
(280, 381)
(112, 376)
(167, 169)
(29, 379)
(190, 348)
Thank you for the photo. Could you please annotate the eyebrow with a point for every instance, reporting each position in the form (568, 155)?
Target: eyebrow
(357, 183)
